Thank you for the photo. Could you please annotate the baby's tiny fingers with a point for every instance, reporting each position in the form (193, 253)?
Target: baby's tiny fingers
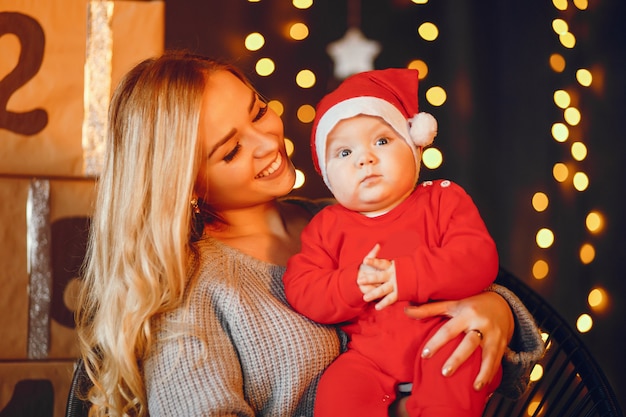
(377, 263)
(372, 253)
(388, 300)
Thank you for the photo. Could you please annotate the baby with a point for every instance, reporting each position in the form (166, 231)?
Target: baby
(388, 244)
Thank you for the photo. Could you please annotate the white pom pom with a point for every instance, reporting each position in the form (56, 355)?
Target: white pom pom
(423, 129)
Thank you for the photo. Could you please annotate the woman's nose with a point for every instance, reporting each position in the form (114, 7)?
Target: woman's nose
(263, 142)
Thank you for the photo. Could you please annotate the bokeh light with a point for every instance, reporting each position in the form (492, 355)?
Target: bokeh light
(557, 62)
(598, 299)
(560, 132)
(428, 31)
(579, 151)
(265, 67)
(420, 66)
(531, 410)
(306, 113)
(562, 99)
(560, 26)
(568, 40)
(581, 4)
(299, 31)
(289, 147)
(302, 4)
(594, 222)
(432, 158)
(540, 269)
(540, 201)
(305, 78)
(300, 179)
(537, 373)
(584, 323)
(560, 172)
(584, 77)
(581, 181)
(436, 96)
(587, 253)
(544, 238)
(277, 106)
(560, 4)
(254, 41)
(572, 116)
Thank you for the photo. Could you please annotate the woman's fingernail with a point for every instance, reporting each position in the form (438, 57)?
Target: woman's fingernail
(479, 385)
(447, 371)
(426, 353)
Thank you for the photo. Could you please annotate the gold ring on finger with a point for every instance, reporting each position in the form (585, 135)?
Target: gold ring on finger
(478, 333)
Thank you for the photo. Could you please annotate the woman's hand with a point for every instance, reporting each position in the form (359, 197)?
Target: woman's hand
(487, 321)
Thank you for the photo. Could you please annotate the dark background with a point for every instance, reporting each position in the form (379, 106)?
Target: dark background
(491, 57)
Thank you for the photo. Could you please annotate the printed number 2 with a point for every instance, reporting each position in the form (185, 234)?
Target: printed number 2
(32, 40)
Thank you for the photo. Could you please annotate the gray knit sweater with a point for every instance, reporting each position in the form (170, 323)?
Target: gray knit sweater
(260, 357)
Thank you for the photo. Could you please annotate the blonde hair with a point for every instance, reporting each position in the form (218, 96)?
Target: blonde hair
(139, 244)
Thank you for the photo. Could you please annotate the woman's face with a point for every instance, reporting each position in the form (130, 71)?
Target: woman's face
(244, 161)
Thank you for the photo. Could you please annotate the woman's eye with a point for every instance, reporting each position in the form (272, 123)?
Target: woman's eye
(231, 155)
(382, 141)
(261, 113)
(344, 153)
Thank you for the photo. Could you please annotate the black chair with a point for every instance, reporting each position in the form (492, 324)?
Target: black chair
(572, 384)
(76, 405)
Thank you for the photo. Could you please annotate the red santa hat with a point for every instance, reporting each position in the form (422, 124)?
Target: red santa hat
(390, 94)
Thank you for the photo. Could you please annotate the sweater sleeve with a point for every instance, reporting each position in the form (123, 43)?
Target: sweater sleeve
(525, 349)
(185, 376)
(462, 262)
(315, 285)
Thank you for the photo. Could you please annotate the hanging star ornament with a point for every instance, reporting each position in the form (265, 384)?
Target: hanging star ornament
(353, 53)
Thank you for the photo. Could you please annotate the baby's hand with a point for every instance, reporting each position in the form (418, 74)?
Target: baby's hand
(377, 279)
(367, 279)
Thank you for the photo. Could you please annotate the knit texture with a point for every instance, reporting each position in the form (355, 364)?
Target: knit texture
(260, 358)
(525, 350)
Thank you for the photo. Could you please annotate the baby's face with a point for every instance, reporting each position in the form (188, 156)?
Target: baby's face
(370, 167)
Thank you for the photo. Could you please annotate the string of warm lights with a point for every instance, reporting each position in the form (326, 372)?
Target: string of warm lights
(560, 131)
(569, 173)
(436, 96)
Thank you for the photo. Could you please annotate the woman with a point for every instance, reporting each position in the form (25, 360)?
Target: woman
(183, 310)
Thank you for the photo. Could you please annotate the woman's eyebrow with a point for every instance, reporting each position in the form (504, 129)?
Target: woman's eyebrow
(233, 130)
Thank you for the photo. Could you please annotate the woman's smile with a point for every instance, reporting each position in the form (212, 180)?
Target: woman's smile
(271, 168)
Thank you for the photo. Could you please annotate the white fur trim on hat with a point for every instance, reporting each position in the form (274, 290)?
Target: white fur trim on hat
(423, 129)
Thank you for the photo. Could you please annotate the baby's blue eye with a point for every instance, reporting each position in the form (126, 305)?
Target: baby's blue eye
(344, 152)
(382, 141)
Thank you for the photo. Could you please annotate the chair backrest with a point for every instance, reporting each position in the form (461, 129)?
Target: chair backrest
(76, 406)
(572, 383)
